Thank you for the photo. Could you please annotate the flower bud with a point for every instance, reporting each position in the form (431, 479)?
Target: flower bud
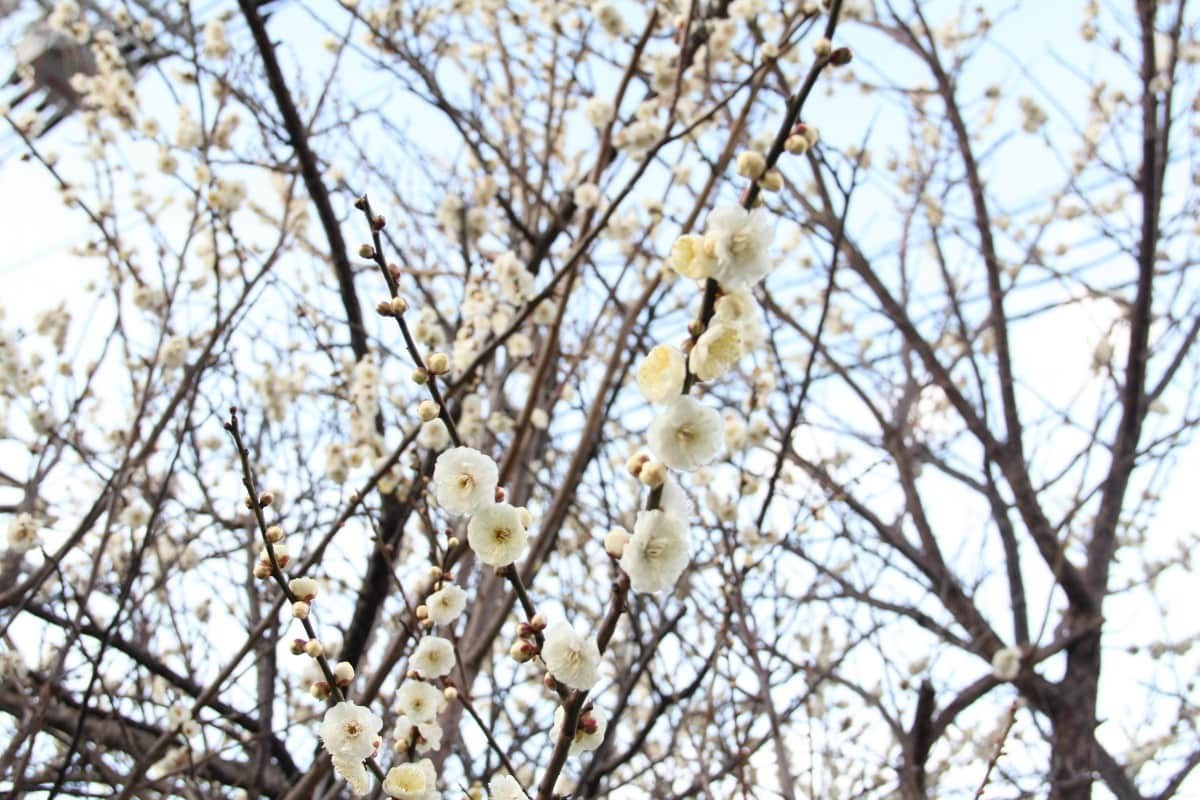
(300, 609)
(841, 57)
(653, 474)
(539, 622)
(525, 630)
(360, 203)
(378, 223)
(823, 47)
(314, 648)
(438, 364)
(588, 724)
(635, 463)
(420, 377)
(366, 251)
(452, 543)
(428, 410)
(796, 144)
(399, 306)
(614, 542)
(319, 690)
(450, 693)
(751, 164)
(772, 181)
(422, 611)
(262, 571)
(522, 651)
(274, 534)
(384, 308)
(265, 499)
(343, 673)
(304, 588)
(297, 646)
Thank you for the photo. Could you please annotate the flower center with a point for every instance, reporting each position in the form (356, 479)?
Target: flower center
(685, 433)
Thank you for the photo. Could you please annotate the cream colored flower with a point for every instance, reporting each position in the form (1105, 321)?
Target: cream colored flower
(689, 258)
(350, 731)
(446, 604)
(717, 351)
(660, 375)
(1006, 663)
(464, 479)
(657, 553)
(497, 534)
(573, 659)
(354, 773)
(419, 701)
(589, 732)
(687, 435)
(412, 781)
(433, 658)
(505, 787)
(739, 240)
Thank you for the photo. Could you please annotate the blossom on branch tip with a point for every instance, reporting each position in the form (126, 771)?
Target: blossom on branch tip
(497, 534)
(419, 701)
(686, 435)
(350, 731)
(660, 375)
(657, 553)
(573, 659)
(464, 479)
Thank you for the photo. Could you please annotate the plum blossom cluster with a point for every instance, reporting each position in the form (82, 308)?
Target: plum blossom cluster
(730, 257)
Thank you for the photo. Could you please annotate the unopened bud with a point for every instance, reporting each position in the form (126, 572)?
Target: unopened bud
(297, 646)
(772, 181)
(588, 724)
(751, 164)
(438, 364)
(549, 682)
(539, 622)
(420, 377)
(452, 543)
(525, 630)
(522, 651)
(399, 305)
(635, 463)
(274, 534)
(796, 144)
(384, 308)
(366, 251)
(378, 223)
(304, 588)
(841, 57)
(653, 474)
(319, 690)
(300, 609)
(360, 203)
(262, 571)
(427, 410)
(343, 673)
(823, 47)
(422, 611)
(314, 648)
(614, 542)
(450, 693)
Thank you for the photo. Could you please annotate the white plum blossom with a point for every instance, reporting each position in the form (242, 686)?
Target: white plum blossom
(717, 351)
(657, 553)
(599, 111)
(739, 240)
(429, 734)
(22, 533)
(690, 259)
(497, 534)
(589, 732)
(446, 604)
(1006, 663)
(741, 309)
(419, 701)
(572, 658)
(687, 435)
(660, 375)
(412, 781)
(505, 787)
(350, 731)
(433, 658)
(464, 479)
(433, 435)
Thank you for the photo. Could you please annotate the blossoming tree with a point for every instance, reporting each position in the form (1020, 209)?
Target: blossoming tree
(602, 399)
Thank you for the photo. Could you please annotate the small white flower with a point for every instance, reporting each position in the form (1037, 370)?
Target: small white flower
(689, 258)
(687, 435)
(354, 773)
(433, 435)
(446, 604)
(497, 534)
(433, 658)
(589, 732)
(572, 658)
(657, 553)
(505, 787)
(587, 195)
(429, 735)
(660, 375)
(599, 111)
(739, 240)
(464, 479)
(412, 781)
(1006, 663)
(350, 731)
(717, 351)
(22, 533)
(419, 701)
